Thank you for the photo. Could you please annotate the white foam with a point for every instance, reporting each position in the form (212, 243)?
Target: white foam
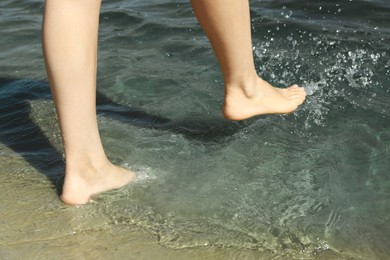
(143, 173)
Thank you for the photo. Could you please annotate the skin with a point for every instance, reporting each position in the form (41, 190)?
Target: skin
(227, 25)
(70, 30)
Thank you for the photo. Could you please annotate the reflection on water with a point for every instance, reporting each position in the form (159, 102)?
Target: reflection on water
(312, 184)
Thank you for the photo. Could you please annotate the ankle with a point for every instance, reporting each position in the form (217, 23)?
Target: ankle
(83, 164)
(244, 86)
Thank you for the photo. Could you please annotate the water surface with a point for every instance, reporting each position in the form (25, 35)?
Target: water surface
(312, 184)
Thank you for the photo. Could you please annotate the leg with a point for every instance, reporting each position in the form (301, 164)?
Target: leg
(70, 31)
(227, 25)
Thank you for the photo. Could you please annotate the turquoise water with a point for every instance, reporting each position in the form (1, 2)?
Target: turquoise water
(313, 184)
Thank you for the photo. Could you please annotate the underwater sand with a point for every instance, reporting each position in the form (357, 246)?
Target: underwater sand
(310, 185)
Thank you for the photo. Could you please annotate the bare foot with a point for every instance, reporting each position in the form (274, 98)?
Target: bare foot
(262, 99)
(81, 184)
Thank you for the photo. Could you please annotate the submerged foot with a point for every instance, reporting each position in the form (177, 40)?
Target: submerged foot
(81, 184)
(262, 99)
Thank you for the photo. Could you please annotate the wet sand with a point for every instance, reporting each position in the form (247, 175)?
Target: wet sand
(35, 224)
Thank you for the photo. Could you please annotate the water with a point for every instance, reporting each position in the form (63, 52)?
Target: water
(313, 184)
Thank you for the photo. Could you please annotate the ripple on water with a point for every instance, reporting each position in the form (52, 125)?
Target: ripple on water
(308, 185)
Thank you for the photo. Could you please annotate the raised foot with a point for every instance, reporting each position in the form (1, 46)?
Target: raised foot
(263, 99)
(80, 186)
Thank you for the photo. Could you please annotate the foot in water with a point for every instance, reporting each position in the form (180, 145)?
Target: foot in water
(83, 183)
(243, 101)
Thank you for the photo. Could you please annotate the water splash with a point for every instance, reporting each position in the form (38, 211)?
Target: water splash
(329, 72)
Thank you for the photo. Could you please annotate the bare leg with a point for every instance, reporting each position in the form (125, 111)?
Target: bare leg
(70, 31)
(227, 25)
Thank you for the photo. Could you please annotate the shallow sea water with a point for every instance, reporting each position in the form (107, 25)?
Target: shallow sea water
(310, 185)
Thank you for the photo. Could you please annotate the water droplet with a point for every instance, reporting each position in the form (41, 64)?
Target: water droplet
(294, 42)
